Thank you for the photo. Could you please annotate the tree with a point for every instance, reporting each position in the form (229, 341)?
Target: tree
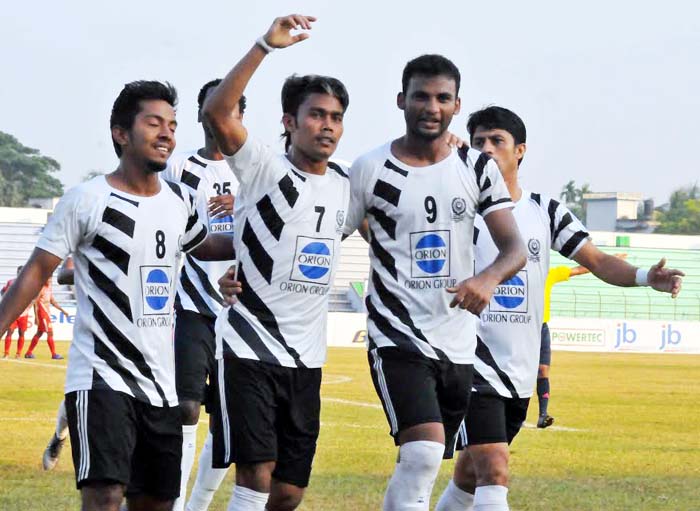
(573, 198)
(25, 173)
(683, 215)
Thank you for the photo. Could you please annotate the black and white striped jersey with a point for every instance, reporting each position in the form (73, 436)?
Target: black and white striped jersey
(288, 227)
(508, 345)
(197, 287)
(127, 252)
(421, 223)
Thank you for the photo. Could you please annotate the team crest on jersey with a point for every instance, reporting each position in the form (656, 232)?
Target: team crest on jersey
(430, 254)
(155, 290)
(339, 220)
(222, 225)
(313, 260)
(459, 208)
(533, 250)
(511, 295)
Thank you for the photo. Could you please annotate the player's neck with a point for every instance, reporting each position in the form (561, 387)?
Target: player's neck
(210, 151)
(132, 178)
(511, 180)
(303, 162)
(420, 152)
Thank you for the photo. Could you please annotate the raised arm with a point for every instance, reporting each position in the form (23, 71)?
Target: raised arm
(38, 270)
(475, 293)
(229, 132)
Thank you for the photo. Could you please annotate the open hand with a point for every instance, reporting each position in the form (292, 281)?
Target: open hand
(664, 279)
(279, 34)
(221, 205)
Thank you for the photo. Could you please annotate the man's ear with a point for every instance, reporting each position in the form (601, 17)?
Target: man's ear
(401, 101)
(120, 136)
(520, 150)
(289, 123)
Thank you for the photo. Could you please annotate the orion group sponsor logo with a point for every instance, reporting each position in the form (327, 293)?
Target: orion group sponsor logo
(511, 295)
(155, 289)
(313, 260)
(430, 254)
(222, 225)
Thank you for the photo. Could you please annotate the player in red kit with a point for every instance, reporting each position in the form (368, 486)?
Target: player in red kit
(42, 307)
(20, 324)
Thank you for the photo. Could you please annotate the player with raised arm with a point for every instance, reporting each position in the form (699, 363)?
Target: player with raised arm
(271, 343)
(508, 342)
(19, 324)
(420, 198)
(206, 175)
(126, 232)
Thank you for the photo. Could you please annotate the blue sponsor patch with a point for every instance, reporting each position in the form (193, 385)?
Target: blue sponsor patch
(511, 295)
(313, 260)
(155, 289)
(430, 254)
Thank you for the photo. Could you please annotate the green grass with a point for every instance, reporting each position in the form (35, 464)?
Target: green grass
(633, 441)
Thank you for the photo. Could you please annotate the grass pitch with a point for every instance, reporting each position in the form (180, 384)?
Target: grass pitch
(626, 436)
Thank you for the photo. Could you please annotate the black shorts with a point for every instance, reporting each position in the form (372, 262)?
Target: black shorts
(492, 419)
(416, 390)
(195, 347)
(265, 413)
(117, 439)
(545, 346)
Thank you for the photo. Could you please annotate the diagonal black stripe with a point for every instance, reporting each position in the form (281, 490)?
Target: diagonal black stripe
(289, 191)
(113, 253)
(566, 220)
(393, 167)
(191, 291)
(386, 191)
(196, 240)
(484, 354)
(192, 220)
(337, 168)
(270, 217)
(479, 168)
(396, 336)
(130, 201)
(204, 280)
(552, 211)
(488, 202)
(119, 220)
(110, 290)
(251, 301)
(573, 242)
(194, 160)
(110, 358)
(463, 153)
(482, 385)
(248, 334)
(190, 179)
(297, 174)
(536, 197)
(381, 253)
(476, 235)
(486, 184)
(261, 259)
(125, 347)
(387, 223)
(176, 190)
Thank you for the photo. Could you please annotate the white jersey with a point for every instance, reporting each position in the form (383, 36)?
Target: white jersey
(197, 288)
(288, 227)
(421, 223)
(126, 253)
(508, 344)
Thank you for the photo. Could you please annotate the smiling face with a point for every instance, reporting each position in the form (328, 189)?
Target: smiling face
(429, 104)
(151, 138)
(317, 127)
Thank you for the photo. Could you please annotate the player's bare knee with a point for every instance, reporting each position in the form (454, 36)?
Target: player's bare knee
(102, 497)
(491, 464)
(284, 500)
(190, 412)
(255, 476)
(464, 473)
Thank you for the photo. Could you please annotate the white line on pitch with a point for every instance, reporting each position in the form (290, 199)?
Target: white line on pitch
(30, 363)
(554, 428)
(353, 403)
(335, 379)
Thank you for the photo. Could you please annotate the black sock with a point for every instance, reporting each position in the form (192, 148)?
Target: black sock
(543, 394)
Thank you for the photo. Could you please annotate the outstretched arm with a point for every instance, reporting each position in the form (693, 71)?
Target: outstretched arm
(582, 270)
(228, 130)
(38, 270)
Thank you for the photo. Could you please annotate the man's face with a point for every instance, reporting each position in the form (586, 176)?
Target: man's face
(318, 126)
(151, 138)
(499, 145)
(428, 105)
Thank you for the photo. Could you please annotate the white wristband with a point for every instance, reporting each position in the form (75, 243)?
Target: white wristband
(642, 277)
(260, 41)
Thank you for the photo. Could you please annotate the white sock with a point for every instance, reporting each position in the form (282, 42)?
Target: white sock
(455, 499)
(245, 499)
(208, 480)
(62, 422)
(491, 498)
(414, 476)
(189, 449)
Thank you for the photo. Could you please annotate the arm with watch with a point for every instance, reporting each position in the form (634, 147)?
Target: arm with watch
(618, 272)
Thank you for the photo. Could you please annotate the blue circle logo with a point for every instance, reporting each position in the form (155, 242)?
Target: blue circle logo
(314, 260)
(157, 289)
(510, 293)
(430, 253)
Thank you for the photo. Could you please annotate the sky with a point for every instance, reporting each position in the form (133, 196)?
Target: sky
(608, 90)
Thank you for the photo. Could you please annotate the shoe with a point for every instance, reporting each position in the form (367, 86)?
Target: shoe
(545, 421)
(29, 355)
(18, 355)
(6, 355)
(52, 452)
(56, 356)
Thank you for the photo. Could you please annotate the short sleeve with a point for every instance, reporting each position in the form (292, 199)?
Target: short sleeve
(357, 208)
(568, 233)
(173, 171)
(256, 165)
(196, 229)
(67, 225)
(493, 193)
